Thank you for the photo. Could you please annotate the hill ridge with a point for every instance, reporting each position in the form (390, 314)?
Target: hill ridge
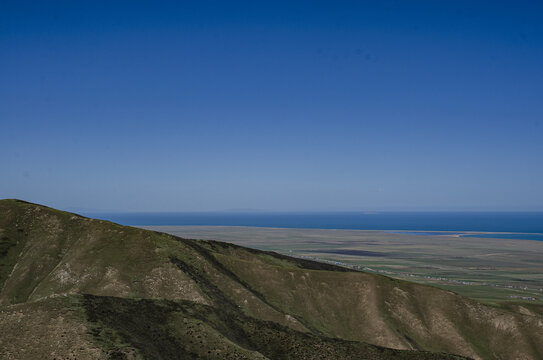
(85, 263)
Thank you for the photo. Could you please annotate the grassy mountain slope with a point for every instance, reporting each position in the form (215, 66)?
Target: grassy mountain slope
(390, 312)
(122, 292)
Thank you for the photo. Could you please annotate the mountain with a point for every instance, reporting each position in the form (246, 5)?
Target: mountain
(79, 288)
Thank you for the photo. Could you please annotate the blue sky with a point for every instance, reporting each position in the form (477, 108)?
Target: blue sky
(273, 105)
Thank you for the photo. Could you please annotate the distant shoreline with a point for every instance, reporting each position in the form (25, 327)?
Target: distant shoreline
(450, 234)
(461, 224)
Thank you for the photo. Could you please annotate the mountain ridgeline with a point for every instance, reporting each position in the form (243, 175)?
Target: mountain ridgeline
(79, 288)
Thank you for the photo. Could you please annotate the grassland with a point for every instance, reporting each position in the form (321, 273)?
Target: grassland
(485, 269)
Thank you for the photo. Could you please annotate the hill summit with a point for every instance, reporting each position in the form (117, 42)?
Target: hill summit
(79, 288)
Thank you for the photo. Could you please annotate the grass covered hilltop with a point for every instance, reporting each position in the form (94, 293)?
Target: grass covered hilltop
(78, 288)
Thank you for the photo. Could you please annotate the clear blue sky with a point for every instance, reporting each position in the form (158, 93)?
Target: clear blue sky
(273, 105)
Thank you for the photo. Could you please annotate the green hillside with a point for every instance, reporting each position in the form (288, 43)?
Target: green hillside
(73, 287)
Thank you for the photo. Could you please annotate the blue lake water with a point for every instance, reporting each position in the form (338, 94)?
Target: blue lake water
(525, 223)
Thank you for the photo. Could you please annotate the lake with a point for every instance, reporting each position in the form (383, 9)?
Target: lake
(530, 224)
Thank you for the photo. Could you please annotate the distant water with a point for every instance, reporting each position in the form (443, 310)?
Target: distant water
(514, 222)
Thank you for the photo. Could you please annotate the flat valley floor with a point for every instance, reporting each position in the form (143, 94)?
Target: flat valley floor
(486, 269)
